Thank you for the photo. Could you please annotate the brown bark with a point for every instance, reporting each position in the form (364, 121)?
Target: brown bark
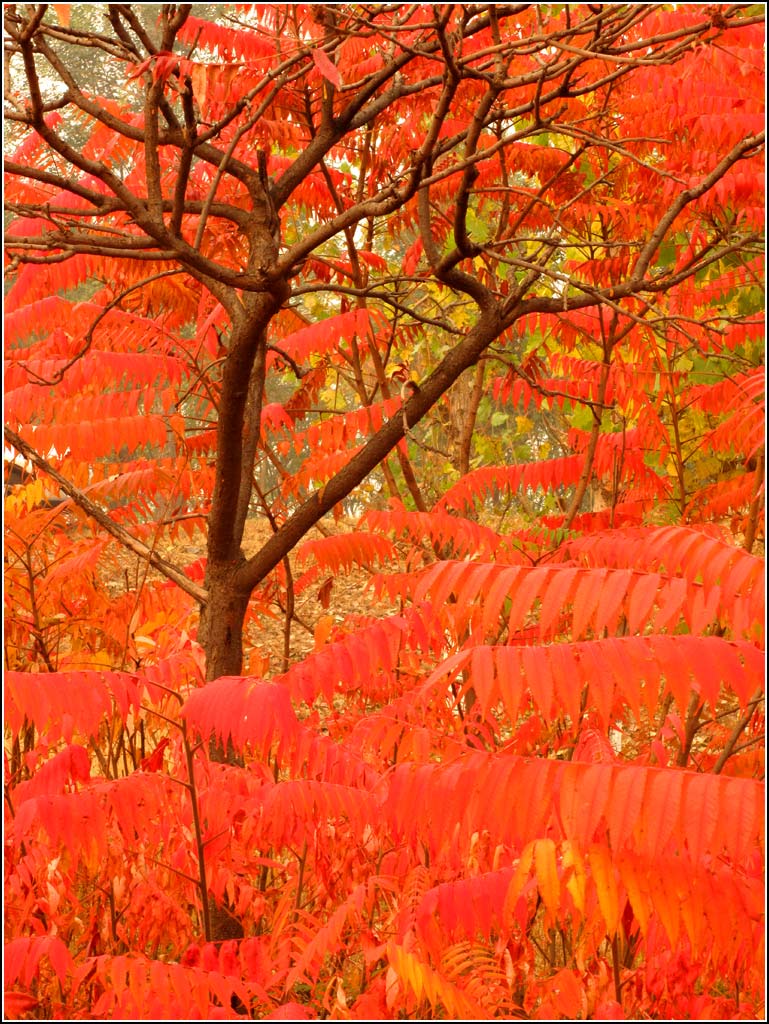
(221, 621)
(464, 355)
(468, 421)
(756, 505)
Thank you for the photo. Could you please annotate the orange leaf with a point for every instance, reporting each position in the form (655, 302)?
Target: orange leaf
(322, 631)
(546, 868)
(606, 884)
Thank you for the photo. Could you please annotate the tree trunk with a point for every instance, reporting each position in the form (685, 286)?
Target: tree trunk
(221, 622)
(467, 422)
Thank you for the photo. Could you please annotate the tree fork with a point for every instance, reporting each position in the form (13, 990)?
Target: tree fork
(489, 326)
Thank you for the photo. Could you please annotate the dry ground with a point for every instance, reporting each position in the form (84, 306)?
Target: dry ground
(350, 594)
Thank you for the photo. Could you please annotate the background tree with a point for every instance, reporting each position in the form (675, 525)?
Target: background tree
(244, 275)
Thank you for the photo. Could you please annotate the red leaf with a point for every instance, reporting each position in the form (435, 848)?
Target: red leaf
(371, 1004)
(17, 1003)
(582, 800)
(510, 683)
(483, 677)
(644, 591)
(536, 671)
(154, 761)
(609, 1010)
(558, 589)
(624, 805)
(701, 800)
(661, 812)
(326, 68)
(586, 598)
(610, 603)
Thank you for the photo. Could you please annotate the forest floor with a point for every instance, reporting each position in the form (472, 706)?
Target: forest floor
(348, 594)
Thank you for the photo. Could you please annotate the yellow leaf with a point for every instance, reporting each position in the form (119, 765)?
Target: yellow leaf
(572, 858)
(144, 643)
(341, 998)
